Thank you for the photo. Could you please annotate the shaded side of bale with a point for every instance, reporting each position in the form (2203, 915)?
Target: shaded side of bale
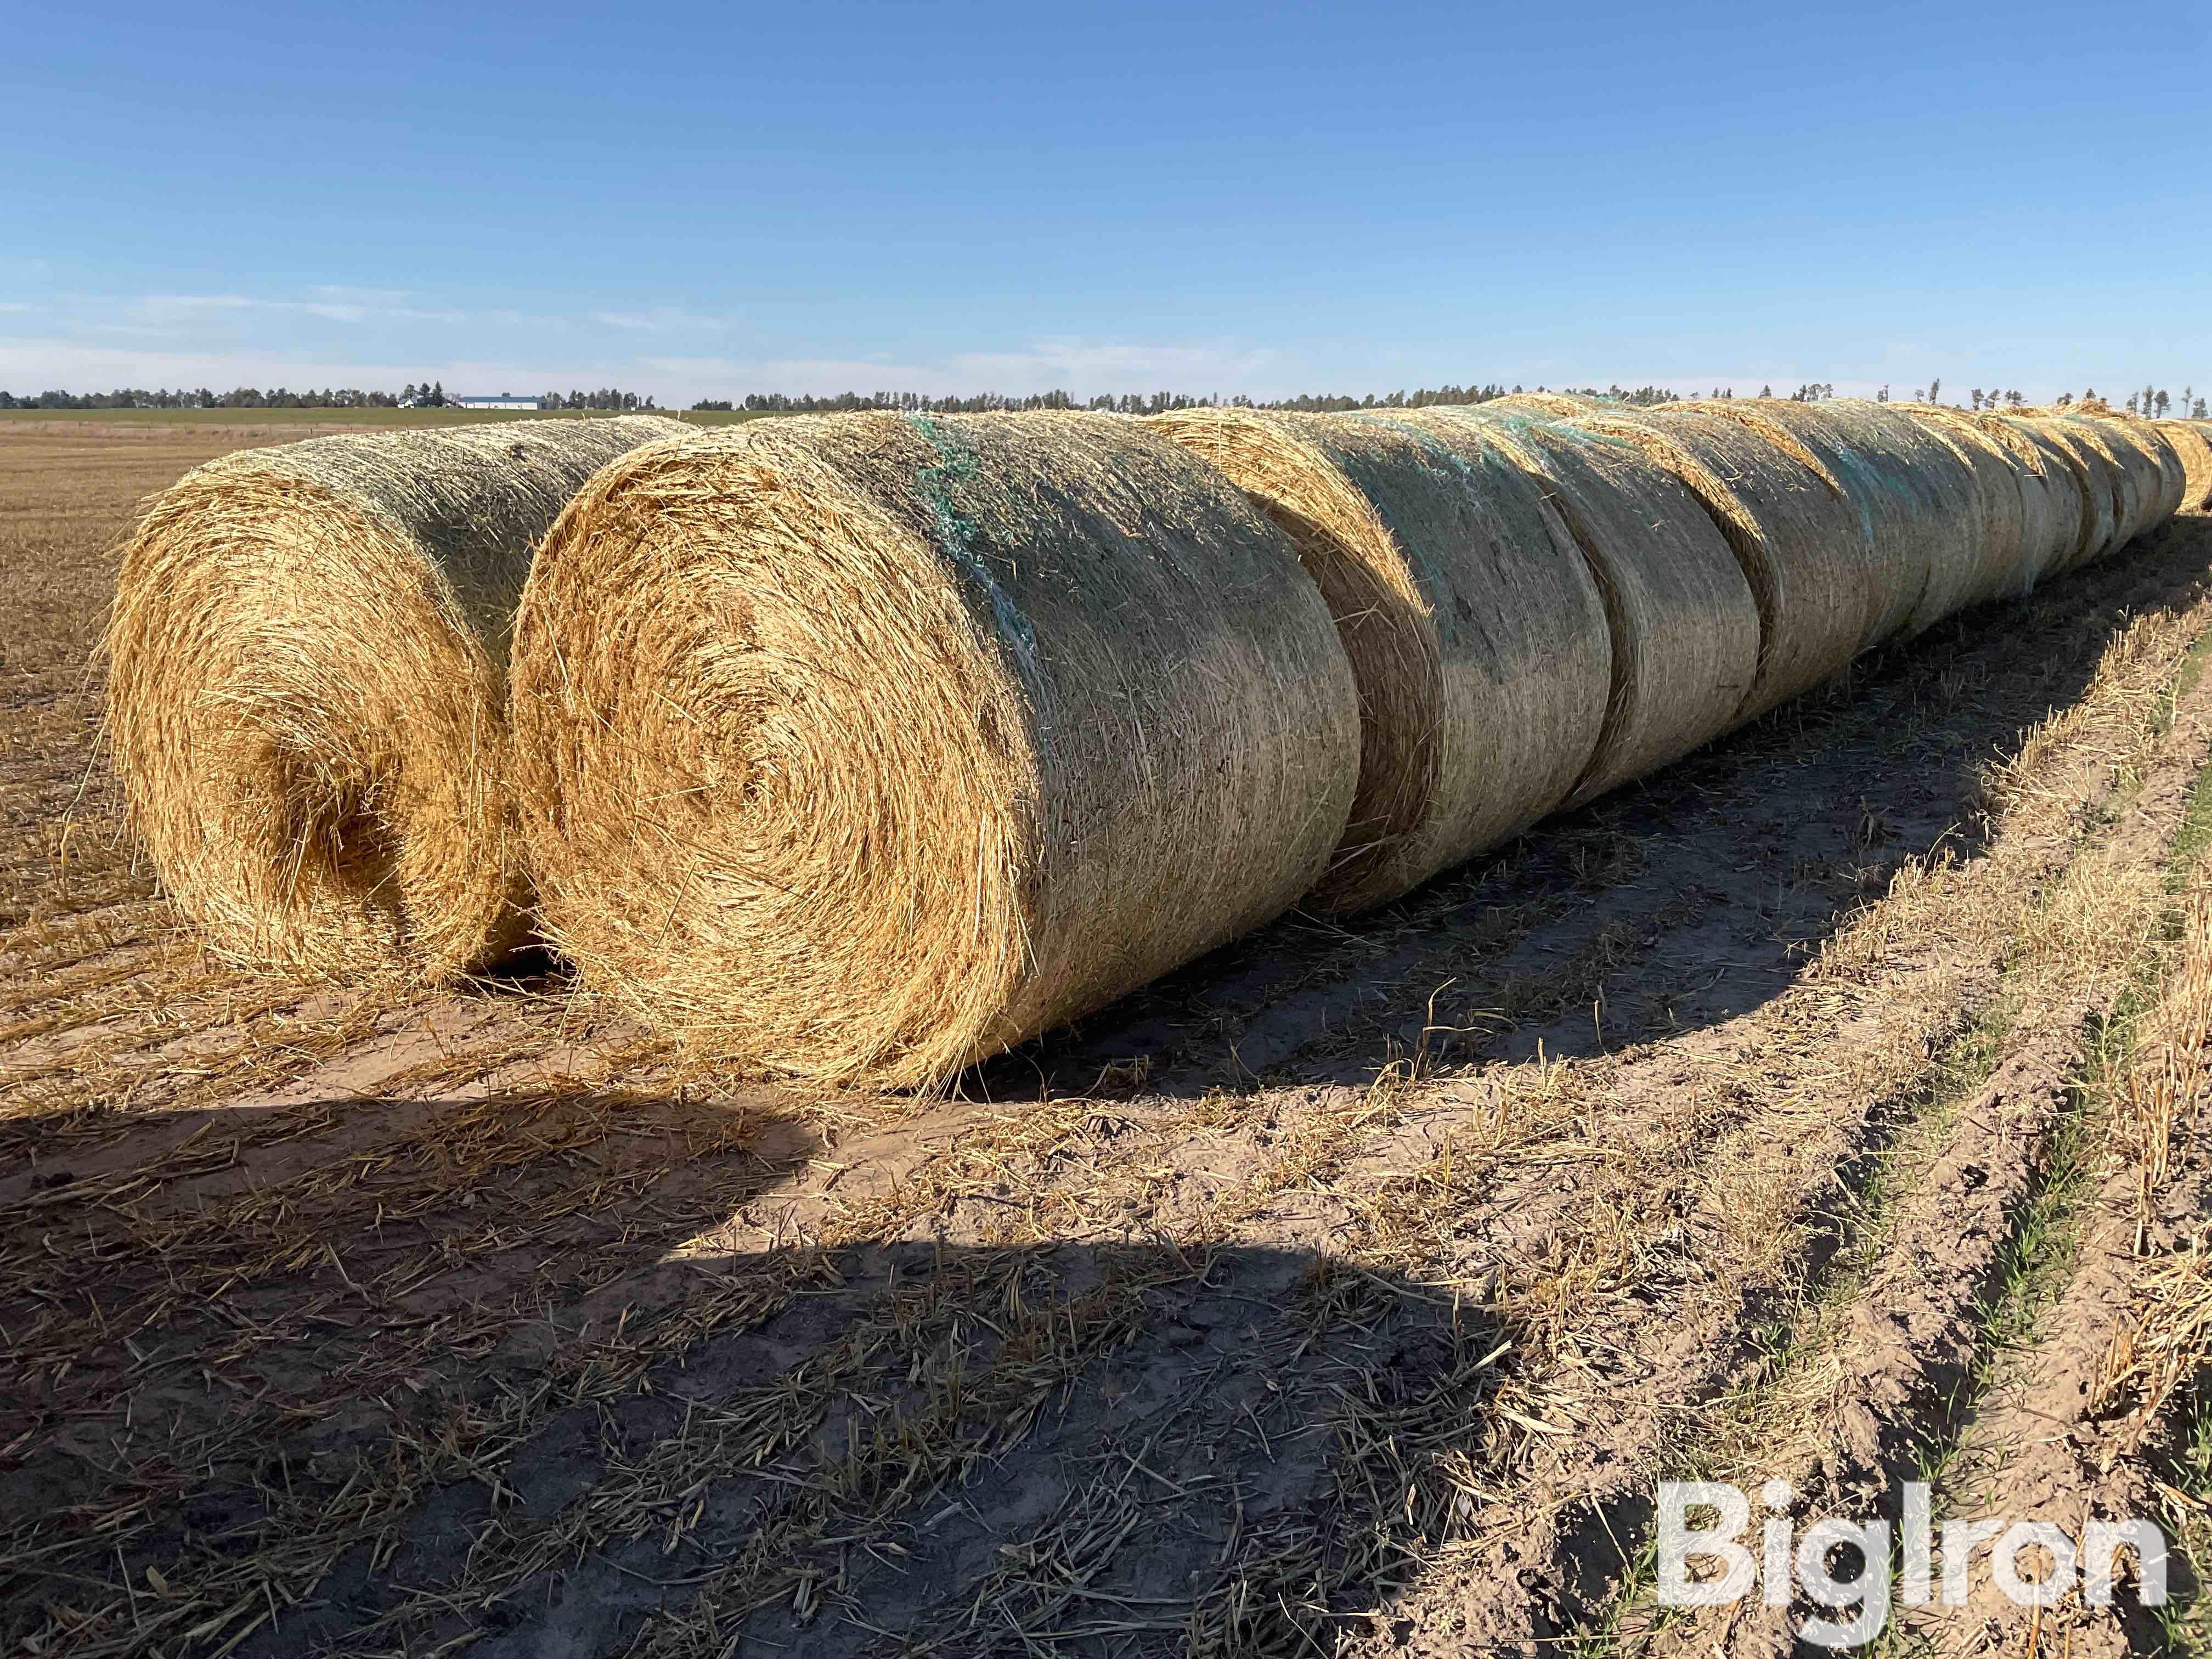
(1684, 622)
(1475, 628)
(866, 746)
(2001, 509)
(2053, 503)
(307, 689)
(1903, 531)
(1799, 540)
(2192, 447)
(2101, 487)
(2136, 482)
(2158, 445)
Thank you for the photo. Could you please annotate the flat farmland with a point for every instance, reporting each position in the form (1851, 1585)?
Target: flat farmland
(1830, 1107)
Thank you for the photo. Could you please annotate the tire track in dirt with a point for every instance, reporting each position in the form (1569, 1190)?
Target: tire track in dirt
(1912, 1342)
(1554, 1555)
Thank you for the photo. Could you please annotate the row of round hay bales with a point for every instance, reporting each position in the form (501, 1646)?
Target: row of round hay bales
(864, 747)
(1475, 630)
(1797, 534)
(308, 688)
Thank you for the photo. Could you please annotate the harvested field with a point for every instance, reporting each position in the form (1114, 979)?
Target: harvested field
(1831, 1104)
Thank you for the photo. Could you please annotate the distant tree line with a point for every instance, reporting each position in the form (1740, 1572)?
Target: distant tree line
(1140, 403)
(2150, 401)
(429, 394)
(607, 398)
(244, 397)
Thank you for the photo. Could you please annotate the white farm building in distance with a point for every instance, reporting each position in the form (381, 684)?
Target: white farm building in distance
(503, 401)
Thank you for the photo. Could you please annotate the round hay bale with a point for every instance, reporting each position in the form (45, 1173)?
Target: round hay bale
(1475, 627)
(1798, 540)
(864, 747)
(1999, 500)
(308, 686)
(2054, 504)
(1913, 492)
(2192, 447)
(1541, 405)
(2096, 474)
(1684, 622)
(2137, 481)
(2173, 482)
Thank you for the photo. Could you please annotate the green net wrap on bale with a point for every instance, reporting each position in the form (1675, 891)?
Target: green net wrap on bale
(1914, 494)
(2192, 447)
(1797, 538)
(308, 689)
(1684, 623)
(1475, 627)
(863, 747)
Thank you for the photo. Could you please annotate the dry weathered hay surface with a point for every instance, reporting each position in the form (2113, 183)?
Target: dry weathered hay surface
(2054, 507)
(867, 747)
(2097, 475)
(2004, 569)
(307, 698)
(1475, 630)
(2133, 472)
(2193, 447)
(1544, 405)
(1684, 622)
(1915, 497)
(1797, 538)
(2173, 485)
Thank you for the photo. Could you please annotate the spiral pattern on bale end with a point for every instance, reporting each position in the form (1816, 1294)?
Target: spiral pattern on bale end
(1475, 630)
(306, 695)
(862, 748)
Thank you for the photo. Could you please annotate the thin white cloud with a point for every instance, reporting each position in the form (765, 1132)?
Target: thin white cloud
(664, 320)
(182, 312)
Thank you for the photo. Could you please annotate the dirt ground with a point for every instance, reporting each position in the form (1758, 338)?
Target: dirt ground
(1828, 1108)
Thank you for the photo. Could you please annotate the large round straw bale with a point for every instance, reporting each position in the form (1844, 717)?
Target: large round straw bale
(866, 746)
(1684, 622)
(2136, 482)
(308, 688)
(2103, 493)
(1999, 500)
(1914, 493)
(2143, 438)
(1474, 626)
(1797, 538)
(2192, 445)
(2053, 498)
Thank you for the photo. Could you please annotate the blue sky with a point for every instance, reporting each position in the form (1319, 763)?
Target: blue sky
(702, 201)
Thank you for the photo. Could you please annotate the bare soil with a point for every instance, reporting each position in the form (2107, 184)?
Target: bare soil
(1829, 1107)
